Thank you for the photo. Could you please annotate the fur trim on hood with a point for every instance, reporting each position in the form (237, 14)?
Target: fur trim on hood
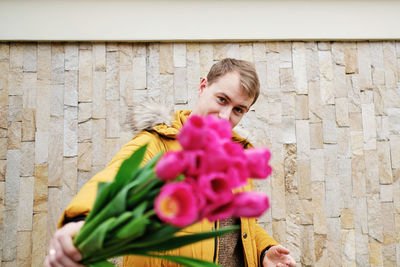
(149, 114)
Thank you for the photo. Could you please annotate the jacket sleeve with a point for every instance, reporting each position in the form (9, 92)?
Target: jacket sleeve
(263, 240)
(82, 203)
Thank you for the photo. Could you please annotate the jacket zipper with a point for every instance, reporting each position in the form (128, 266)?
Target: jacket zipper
(215, 244)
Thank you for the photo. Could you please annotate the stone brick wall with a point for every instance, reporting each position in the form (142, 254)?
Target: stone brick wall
(329, 111)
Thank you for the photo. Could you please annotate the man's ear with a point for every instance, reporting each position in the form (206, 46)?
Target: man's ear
(203, 85)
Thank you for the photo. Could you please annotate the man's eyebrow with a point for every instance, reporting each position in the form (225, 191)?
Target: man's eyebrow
(227, 97)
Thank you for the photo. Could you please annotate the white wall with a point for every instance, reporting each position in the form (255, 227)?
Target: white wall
(151, 20)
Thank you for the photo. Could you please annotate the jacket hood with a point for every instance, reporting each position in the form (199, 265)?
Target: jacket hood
(156, 117)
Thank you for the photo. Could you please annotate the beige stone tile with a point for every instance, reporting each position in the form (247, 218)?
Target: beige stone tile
(112, 122)
(385, 171)
(99, 89)
(4, 72)
(305, 212)
(206, 58)
(289, 130)
(350, 58)
(193, 75)
(70, 179)
(317, 165)
(9, 235)
(299, 67)
(273, 70)
(375, 250)
(293, 239)
(43, 106)
(153, 67)
(25, 205)
(396, 194)
(98, 142)
(85, 156)
(347, 219)
(362, 249)
(360, 215)
(71, 56)
(339, 81)
(278, 205)
(375, 218)
(126, 87)
(302, 107)
(3, 148)
(139, 73)
(348, 248)
(364, 65)
(378, 72)
(71, 88)
(40, 194)
(329, 125)
(39, 243)
(261, 69)
(246, 51)
(4, 52)
(287, 107)
(57, 63)
(85, 77)
(84, 112)
(279, 230)
(389, 59)
(125, 55)
(324, 46)
(326, 77)
(54, 210)
(303, 139)
(394, 120)
(29, 85)
(166, 58)
(342, 112)
(304, 177)
(28, 124)
(180, 86)
(314, 102)
(112, 76)
(286, 79)
(321, 253)
(24, 248)
(372, 172)
(179, 55)
(338, 53)
(44, 61)
(27, 159)
(334, 246)
(312, 66)
(14, 108)
(369, 126)
(358, 176)
(85, 131)
(344, 140)
(307, 246)
(70, 131)
(99, 56)
(3, 167)
(167, 89)
(16, 56)
(344, 174)
(386, 192)
(30, 57)
(318, 200)
(316, 136)
(112, 148)
(259, 51)
(14, 135)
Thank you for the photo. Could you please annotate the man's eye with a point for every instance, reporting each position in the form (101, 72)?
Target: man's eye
(239, 110)
(221, 99)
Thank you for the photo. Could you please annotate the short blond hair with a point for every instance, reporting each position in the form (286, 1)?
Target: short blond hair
(248, 75)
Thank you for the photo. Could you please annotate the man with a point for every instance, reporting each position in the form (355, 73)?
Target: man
(229, 90)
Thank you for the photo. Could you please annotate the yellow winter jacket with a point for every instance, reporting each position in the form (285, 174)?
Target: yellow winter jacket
(162, 138)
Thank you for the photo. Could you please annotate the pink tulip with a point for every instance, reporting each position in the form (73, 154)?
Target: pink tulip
(250, 204)
(176, 204)
(195, 163)
(238, 172)
(219, 210)
(257, 162)
(193, 133)
(220, 126)
(215, 158)
(215, 186)
(171, 165)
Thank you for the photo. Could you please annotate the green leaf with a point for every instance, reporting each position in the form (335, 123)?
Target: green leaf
(154, 238)
(180, 241)
(94, 242)
(190, 262)
(102, 264)
(127, 170)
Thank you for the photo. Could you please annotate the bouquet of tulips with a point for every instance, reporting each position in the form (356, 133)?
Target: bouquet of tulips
(143, 208)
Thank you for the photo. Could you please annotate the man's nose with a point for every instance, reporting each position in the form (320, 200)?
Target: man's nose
(224, 113)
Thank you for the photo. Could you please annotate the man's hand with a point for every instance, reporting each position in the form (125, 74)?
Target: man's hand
(61, 249)
(278, 256)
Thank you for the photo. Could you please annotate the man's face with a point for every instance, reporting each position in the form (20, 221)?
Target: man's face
(224, 98)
